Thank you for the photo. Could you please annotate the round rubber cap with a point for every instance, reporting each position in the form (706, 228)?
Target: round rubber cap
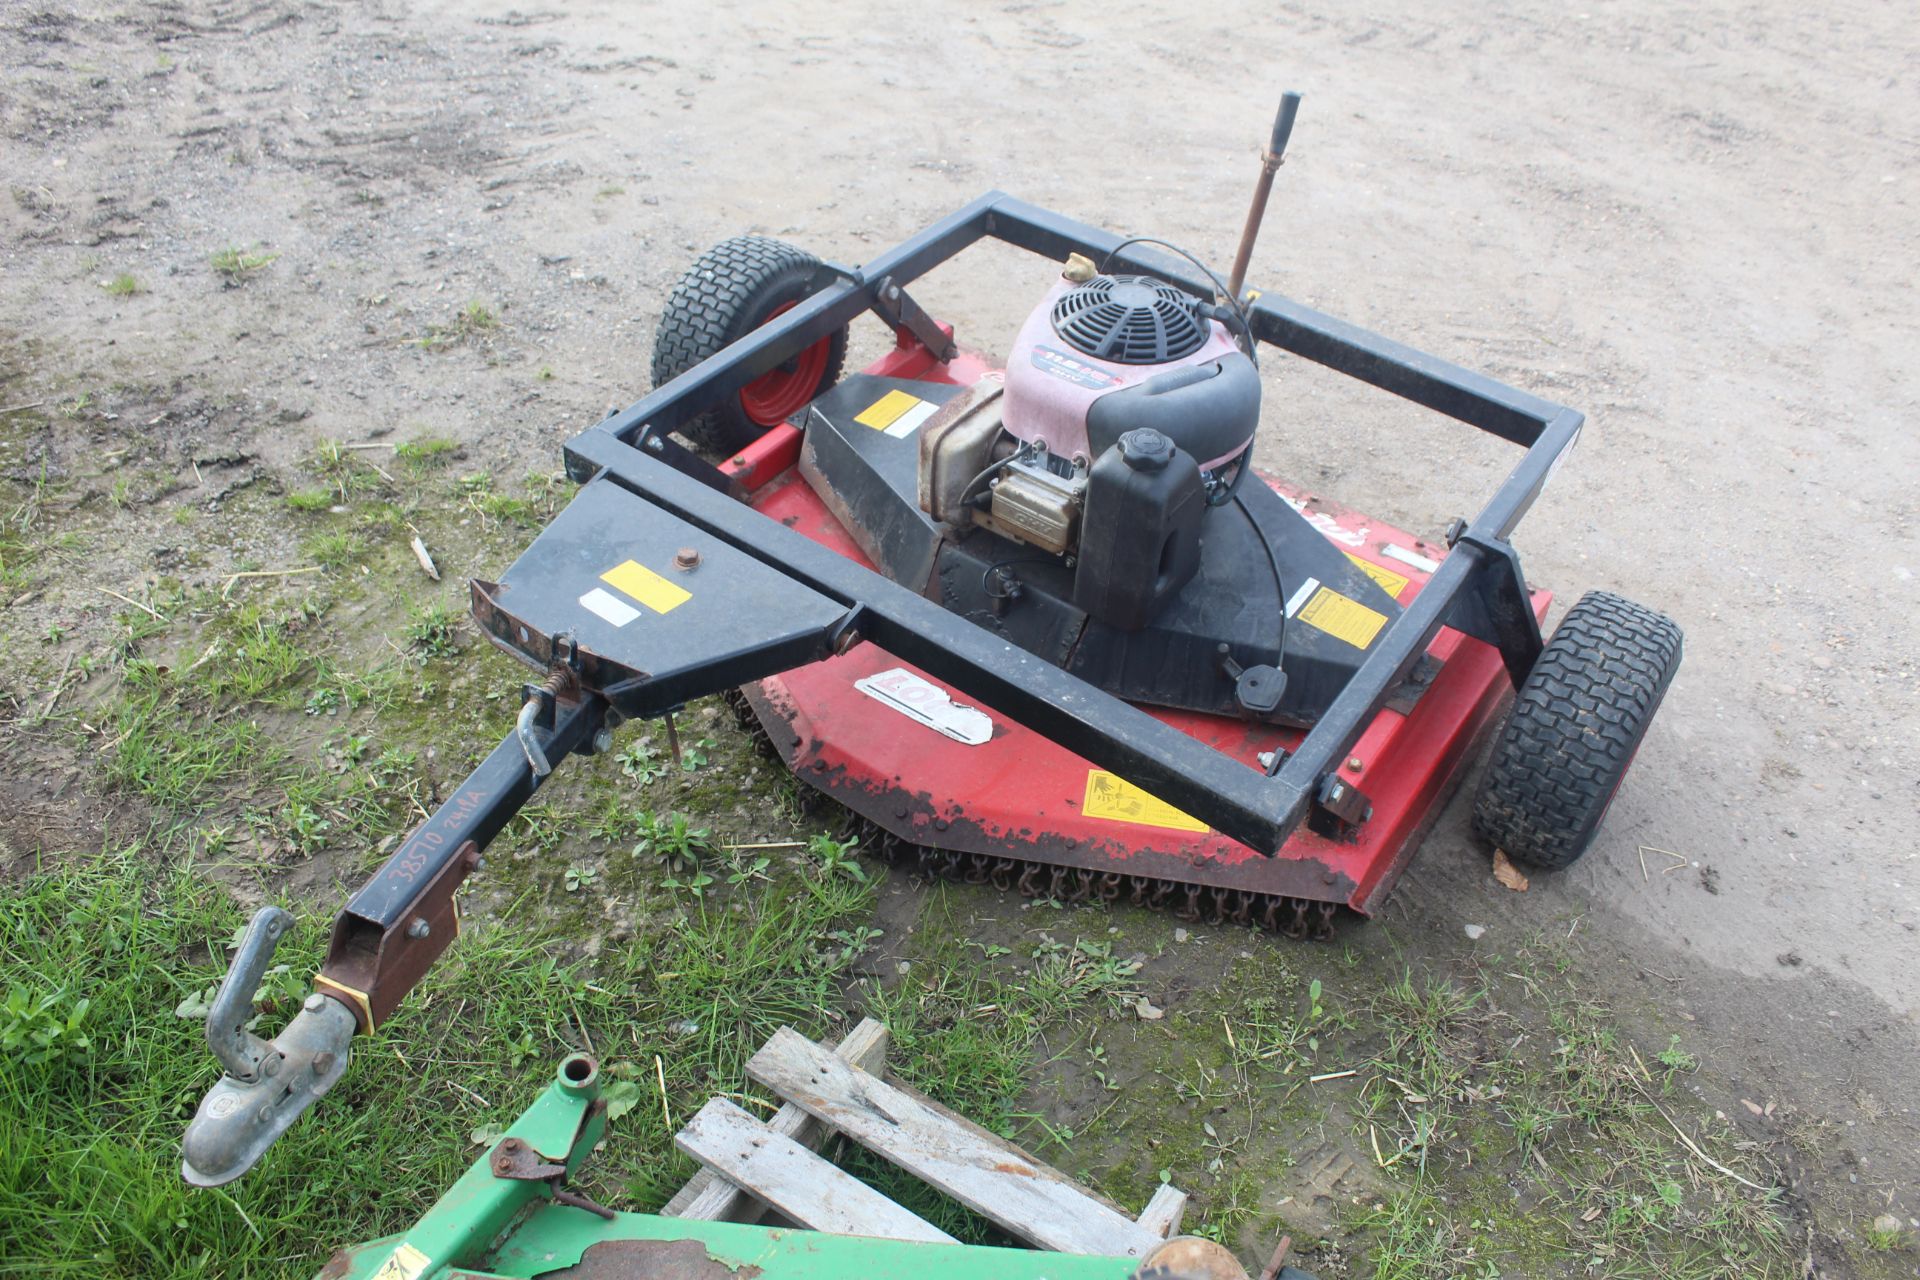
(1145, 449)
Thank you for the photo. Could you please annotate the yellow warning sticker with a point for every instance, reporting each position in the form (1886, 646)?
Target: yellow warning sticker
(1111, 796)
(880, 414)
(1390, 582)
(405, 1263)
(646, 586)
(1341, 618)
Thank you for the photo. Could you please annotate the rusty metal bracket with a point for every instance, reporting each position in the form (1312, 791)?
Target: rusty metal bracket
(370, 968)
(526, 641)
(897, 307)
(515, 1160)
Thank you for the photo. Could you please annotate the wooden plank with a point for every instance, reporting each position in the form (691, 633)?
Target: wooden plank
(794, 1180)
(1163, 1213)
(1031, 1200)
(992, 1139)
(711, 1198)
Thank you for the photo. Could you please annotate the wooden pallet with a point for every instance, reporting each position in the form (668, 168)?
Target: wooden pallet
(753, 1166)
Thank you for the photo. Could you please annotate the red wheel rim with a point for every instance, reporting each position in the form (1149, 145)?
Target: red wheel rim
(779, 393)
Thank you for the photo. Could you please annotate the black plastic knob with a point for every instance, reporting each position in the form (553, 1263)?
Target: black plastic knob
(1145, 449)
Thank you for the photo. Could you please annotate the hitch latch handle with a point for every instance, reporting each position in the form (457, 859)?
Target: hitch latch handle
(246, 1056)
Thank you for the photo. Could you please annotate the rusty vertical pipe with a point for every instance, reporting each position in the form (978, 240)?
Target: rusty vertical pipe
(1270, 161)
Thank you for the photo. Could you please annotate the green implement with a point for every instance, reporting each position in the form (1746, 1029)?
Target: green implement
(513, 1213)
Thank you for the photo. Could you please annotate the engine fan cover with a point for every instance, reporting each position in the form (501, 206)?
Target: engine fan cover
(1085, 341)
(1130, 320)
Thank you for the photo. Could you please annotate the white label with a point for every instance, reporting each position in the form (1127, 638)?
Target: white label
(909, 422)
(610, 607)
(1329, 527)
(1414, 558)
(1299, 597)
(927, 703)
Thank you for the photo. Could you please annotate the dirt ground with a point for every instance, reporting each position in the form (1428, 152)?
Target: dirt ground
(1699, 227)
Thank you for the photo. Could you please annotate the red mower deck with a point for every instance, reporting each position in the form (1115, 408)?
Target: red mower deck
(1023, 797)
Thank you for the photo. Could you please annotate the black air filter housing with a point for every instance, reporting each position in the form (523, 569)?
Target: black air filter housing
(1130, 320)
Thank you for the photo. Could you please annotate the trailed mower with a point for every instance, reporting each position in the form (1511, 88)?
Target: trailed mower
(1038, 623)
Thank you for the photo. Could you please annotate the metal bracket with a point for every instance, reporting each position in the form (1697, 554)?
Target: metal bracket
(1338, 809)
(684, 460)
(897, 307)
(847, 634)
(1494, 606)
(516, 1161)
(372, 964)
(829, 273)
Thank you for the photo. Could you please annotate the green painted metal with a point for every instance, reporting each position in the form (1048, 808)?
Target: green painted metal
(562, 1125)
(486, 1226)
(554, 1237)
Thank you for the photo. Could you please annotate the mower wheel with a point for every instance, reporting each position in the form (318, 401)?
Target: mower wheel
(1576, 723)
(734, 288)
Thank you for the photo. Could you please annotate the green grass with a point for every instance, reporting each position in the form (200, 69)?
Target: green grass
(123, 286)
(1533, 1089)
(1885, 1235)
(174, 755)
(427, 451)
(309, 501)
(236, 265)
(1416, 1237)
(89, 1181)
(346, 472)
(433, 631)
(190, 739)
(19, 547)
(549, 494)
(336, 549)
(475, 320)
(477, 317)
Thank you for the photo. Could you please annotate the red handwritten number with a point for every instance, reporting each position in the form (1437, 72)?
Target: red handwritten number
(413, 856)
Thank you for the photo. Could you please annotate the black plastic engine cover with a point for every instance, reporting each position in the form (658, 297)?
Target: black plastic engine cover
(1210, 410)
(868, 472)
(1257, 556)
(1237, 600)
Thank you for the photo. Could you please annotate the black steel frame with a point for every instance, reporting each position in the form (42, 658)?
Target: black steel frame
(1478, 587)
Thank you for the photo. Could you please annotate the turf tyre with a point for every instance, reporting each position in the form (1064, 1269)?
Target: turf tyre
(732, 289)
(1576, 723)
